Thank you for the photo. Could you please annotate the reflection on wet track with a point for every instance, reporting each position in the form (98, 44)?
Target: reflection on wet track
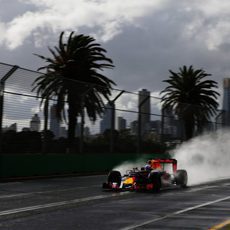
(80, 203)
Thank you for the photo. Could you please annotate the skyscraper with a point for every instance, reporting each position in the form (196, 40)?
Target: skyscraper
(54, 121)
(107, 118)
(134, 127)
(144, 110)
(170, 127)
(35, 123)
(121, 123)
(226, 102)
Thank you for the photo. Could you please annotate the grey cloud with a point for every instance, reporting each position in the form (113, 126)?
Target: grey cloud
(144, 52)
(224, 47)
(10, 9)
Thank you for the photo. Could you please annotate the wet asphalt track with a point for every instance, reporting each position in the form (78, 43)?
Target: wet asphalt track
(79, 203)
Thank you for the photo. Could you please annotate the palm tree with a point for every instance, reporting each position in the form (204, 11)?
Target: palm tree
(191, 97)
(73, 76)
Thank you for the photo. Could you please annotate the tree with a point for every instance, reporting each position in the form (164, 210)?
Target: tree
(73, 76)
(191, 97)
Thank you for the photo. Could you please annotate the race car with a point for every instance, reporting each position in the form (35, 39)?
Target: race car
(161, 173)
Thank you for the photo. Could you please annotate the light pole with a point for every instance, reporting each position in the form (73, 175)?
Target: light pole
(2, 88)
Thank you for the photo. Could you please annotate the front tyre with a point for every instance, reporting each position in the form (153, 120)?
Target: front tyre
(114, 177)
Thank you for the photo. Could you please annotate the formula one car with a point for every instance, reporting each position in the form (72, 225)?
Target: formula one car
(161, 173)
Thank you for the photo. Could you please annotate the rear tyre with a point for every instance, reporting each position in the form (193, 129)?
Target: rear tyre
(181, 178)
(155, 179)
(114, 177)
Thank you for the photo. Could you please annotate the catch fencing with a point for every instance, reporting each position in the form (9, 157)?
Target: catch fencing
(132, 122)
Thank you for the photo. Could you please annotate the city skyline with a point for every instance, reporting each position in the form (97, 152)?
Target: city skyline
(144, 109)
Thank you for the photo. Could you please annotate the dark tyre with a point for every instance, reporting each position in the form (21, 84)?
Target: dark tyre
(155, 179)
(114, 177)
(181, 178)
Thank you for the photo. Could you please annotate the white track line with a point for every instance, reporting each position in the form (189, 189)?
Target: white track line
(57, 204)
(43, 192)
(78, 188)
(202, 188)
(175, 213)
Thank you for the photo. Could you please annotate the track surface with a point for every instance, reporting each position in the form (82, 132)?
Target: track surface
(79, 203)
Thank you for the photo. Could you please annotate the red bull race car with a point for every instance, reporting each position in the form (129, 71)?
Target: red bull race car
(158, 174)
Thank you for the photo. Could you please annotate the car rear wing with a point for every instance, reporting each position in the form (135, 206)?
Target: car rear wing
(156, 163)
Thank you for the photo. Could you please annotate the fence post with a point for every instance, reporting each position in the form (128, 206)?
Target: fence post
(112, 127)
(2, 88)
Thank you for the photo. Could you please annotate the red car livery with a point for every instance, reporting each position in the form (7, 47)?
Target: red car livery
(161, 173)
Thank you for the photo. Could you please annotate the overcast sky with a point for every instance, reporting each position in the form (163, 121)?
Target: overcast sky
(144, 38)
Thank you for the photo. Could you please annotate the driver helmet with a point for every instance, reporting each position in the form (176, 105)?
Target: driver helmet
(148, 165)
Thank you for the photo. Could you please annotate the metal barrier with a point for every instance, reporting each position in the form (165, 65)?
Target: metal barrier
(128, 125)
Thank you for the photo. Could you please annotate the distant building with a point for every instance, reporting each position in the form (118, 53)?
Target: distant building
(134, 127)
(121, 123)
(62, 132)
(170, 127)
(35, 123)
(26, 129)
(144, 110)
(78, 130)
(12, 127)
(54, 121)
(156, 126)
(107, 118)
(86, 131)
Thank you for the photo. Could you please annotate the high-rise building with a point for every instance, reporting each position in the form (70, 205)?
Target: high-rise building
(226, 102)
(169, 123)
(35, 123)
(134, 127)
(107, 118)
(121, 123)
(144, 110)
(54, 121)
(78, 129)
(156, 126)
(86, 130)
(63, 132)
